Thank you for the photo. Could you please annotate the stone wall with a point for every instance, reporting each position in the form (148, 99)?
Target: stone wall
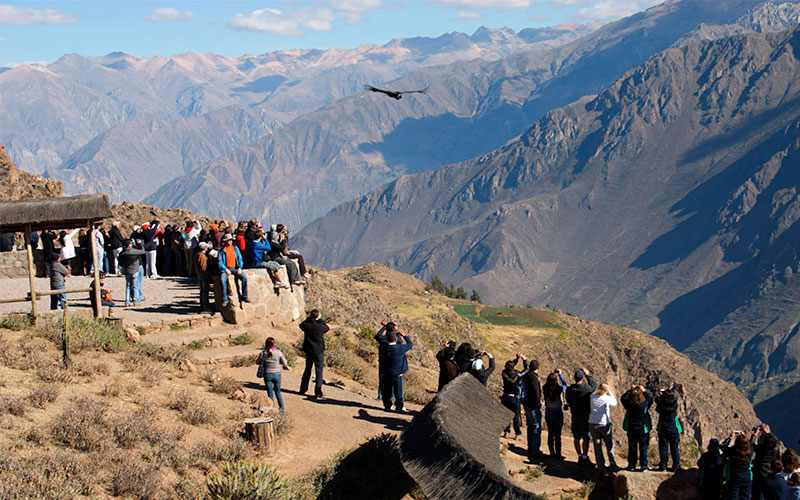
(280, 306)
(13, 265)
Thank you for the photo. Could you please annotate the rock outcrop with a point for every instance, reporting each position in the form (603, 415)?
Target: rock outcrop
(16, 184)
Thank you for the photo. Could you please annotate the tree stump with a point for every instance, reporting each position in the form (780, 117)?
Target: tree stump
(261, 431)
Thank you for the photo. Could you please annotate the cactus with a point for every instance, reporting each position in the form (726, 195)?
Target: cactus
(246, 481)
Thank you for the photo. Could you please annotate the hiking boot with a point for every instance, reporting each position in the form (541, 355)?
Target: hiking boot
(245, 299)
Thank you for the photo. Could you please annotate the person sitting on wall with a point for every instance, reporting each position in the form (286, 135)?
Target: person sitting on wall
(257, 249)
(279, 238)
(105, 295)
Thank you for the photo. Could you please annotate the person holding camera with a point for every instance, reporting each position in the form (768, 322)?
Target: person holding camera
(669, 430)
(512, 391)
(738, 470)
(636, 402)
(767, 449)
(553, 391)
(392, 350)
(314, 330)
(478, 368)
(578, 397)
(600, 426)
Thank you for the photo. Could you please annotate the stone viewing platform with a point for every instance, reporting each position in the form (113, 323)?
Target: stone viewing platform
(279, 305)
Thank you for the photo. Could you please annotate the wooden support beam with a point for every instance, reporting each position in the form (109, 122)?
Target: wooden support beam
(31, 270)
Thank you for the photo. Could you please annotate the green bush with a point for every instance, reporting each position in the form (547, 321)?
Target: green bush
(243, 339)
(84, 333)
(16, 321)
(164, 353)
(197, 344)
(246, 481)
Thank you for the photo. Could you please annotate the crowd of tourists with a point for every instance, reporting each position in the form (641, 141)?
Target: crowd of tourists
(151, 251)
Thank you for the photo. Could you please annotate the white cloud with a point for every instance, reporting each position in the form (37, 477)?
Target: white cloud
(276, 22)
(10, 14)
(484, 4)
(469, 15)
(609, 10)
(170, 14)
(352, 11)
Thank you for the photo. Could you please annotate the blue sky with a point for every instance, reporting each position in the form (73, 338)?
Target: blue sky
(43, 31)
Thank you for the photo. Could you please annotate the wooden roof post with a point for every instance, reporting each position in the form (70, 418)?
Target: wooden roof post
(31, 270)
(98, 311)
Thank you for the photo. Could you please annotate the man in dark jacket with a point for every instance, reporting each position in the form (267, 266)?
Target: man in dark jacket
(669, 435)
(532, 402)
(129, 265)
(395, 364)
(774, 487)
(58, 275)
(115, 242)
(767, 449)
(577, 396)
(314, 330)
(48, 238)
(6, 242)
(448, 370)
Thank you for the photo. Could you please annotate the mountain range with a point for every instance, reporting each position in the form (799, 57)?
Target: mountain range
(76, 117)
(667, 203)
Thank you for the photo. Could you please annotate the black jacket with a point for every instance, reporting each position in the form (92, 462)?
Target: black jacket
(483, 374)
(635, 412)
(448, 370)
(148, 235)
(314, 340)
(533, 391)
(129, 260)
(115, 237)
(47, 238)
(578, 397)
(6, 242)
(766, 450)
(667, 409)
(512, 379)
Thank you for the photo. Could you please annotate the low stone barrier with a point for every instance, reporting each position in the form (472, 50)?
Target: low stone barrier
(281, 306)
(13, 265)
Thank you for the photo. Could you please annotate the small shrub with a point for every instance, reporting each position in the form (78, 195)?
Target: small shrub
(35, 435)
(197, 344)
(290, 352)
(55, 374)
(55, 474)
(165, 353)
(339, 356)
(281, 421)
(133, 426)
(179, 400)
(198, 412)
(532, 473)
(13, 405)
(178, 326)
(43, 394)
(16, 322)
(135, 478)
(185, 488)
(225, 385)
(81, 425)
(141, 330)
(243, 339)
(208, 375)
(239, 361)
(84, 333)
(112, 389)
(242, 481)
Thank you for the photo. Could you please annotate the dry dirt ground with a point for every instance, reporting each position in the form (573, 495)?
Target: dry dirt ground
(347, 416)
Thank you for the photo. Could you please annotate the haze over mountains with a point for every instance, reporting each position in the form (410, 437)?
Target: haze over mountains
(81, 115)
(667, 203)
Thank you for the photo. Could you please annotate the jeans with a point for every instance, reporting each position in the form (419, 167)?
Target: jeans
(205, 287)
(741, 491)
(602, 434)
(152, 272)
(533, 417)
(671, 441)
(240, 277)
(318, 362)
(273, 383)
(188, 260)
(554, 421)
(130, 289)
(512, 403)
(392, 383)
(58, 300)
(637, 445)
(100, 254)
(139, 278)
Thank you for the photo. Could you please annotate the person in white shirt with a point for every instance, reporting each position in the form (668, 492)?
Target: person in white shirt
(600, 425)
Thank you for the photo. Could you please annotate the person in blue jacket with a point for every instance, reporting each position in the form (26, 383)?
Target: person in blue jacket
(230, 264)
(392, 351)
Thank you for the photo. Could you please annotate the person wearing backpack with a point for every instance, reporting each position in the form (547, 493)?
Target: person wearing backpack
(669, 430)
(636, 402)
(738, 470)
(270, 361)
(712, 472)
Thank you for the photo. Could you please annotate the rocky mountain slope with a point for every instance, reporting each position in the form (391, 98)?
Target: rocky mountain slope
(63, 106)
(16, 184)
(344, 149)
(668, 203)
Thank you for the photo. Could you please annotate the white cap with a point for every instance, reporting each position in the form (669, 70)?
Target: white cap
(477, 365)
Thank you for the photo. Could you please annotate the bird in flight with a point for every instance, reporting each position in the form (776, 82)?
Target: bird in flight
(396, 94)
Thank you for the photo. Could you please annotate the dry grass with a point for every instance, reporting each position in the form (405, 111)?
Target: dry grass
(239, 361)
(13, 405)
(55, 374)
(82, 425)
(193, 410)
(225, 385)
(55, 474)
(44, 394)
(137, 479)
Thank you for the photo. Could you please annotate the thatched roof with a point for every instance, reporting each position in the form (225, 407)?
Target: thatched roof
(452, 448)
(53, 213)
